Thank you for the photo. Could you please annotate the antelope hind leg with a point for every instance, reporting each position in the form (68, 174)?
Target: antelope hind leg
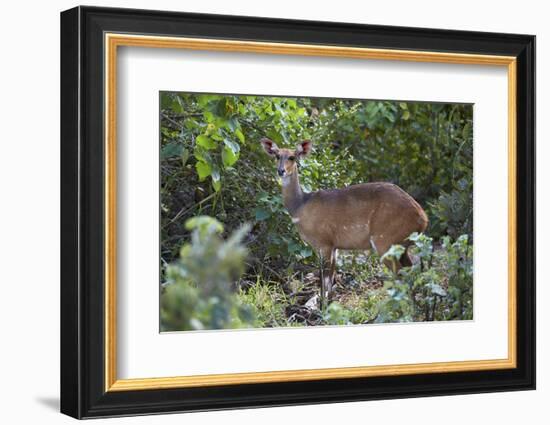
(332, 272)
(326, 271)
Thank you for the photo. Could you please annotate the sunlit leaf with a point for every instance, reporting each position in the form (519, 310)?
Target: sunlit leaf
(216, 185)
(205, 141)
(239, 135)
(203, 170)
(229, 157)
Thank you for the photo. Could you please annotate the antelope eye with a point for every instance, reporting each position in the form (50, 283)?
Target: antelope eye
(291, 158)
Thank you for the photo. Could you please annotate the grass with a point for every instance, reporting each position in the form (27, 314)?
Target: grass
(357, 292)
(268, 301)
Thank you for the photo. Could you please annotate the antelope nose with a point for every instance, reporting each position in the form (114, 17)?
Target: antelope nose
(281, 172)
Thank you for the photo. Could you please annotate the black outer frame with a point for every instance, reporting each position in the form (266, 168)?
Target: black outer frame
(82, 218)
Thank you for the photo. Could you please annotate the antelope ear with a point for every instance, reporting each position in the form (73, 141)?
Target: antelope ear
(304, 148)
(269, 146)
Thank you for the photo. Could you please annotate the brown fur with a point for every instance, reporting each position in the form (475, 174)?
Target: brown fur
(363, 216)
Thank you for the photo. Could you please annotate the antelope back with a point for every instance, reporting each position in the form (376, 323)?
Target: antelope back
(359, 216)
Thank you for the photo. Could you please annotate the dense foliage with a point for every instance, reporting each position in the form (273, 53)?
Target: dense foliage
(199, 294)
(212, 165)
(437, 287)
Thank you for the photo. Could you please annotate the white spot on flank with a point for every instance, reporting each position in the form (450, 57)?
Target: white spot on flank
(295, 220)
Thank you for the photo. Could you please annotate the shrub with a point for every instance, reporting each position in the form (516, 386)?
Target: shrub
(437, 287)
(200, 291)
(453, 212)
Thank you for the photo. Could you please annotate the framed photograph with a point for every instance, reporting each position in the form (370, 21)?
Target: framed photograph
(261, 212)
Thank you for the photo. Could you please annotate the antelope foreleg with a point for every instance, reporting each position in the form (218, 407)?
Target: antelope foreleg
(323, 300)
(327, 267)
(332, 272)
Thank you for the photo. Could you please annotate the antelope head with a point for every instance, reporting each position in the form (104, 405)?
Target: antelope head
(287, 159)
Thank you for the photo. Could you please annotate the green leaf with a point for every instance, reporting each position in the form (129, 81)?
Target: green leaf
(203, 99)
(170, 150)
(172, 102)
(216, 178)
(206, 142)
(184, 157)
(191, 124)
(414, 236)
(233, 124)
(165, 100)
(215, 136)
(218, 107)
(293, 247)
(239, 135)
(215, 174)
(261, 214)
(232, 145)
(208, 116)
(216, 184)
(178, 105)
(406, 115)
(202, 155)
(229, 157)
(204, 223)
(395, 252)
(203, 170)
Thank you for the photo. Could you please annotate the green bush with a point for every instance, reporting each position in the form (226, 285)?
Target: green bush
(200, 292)
(268, 303)
(453, 212)
(437, 287)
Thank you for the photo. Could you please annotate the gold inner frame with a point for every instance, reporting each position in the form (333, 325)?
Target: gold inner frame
(113, 41)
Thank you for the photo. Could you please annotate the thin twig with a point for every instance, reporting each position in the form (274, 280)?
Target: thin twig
(192, 207)
(172, 121)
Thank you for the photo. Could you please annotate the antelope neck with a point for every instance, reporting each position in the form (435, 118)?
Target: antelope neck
(293, 197)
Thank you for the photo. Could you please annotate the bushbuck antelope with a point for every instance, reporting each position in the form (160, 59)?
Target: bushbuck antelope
(363, 216)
